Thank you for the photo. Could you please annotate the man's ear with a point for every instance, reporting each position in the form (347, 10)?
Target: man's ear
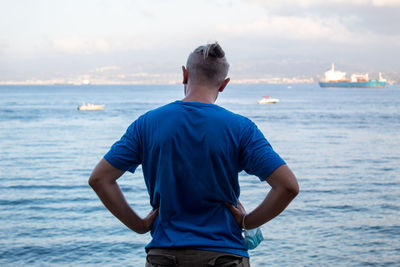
(224, 84)
(185, 75)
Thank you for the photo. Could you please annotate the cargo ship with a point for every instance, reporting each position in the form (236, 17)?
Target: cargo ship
(334, 78)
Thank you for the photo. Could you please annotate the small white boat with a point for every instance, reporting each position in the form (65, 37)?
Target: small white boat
(89, 106)
(267, 100)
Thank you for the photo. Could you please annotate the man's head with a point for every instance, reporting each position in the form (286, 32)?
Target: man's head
(207, 66)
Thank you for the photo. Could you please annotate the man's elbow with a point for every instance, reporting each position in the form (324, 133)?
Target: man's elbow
(103, 175)
(285, 181)
(94, 181)
(292, 190)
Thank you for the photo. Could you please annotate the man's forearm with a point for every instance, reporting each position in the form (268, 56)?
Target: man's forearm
(284, 189)
(274, 203)
(111, 196)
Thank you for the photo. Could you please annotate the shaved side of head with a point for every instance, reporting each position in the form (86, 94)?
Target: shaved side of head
(207, 65)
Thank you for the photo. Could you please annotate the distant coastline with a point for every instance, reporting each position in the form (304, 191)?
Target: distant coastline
(87, 82)
(274, 80)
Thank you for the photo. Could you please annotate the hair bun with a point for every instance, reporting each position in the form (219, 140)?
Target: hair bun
(215, 50)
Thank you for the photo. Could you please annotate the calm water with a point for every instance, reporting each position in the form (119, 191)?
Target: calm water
(343, 145)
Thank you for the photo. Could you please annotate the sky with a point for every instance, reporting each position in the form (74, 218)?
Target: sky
(149, 40)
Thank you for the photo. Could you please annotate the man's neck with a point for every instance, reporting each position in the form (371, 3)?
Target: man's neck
(200, 94)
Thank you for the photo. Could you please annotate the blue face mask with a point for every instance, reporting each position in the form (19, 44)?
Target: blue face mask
(252, 238)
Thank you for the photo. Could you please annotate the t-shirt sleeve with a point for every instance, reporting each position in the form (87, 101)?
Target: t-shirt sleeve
(125, 153)
(257, 156)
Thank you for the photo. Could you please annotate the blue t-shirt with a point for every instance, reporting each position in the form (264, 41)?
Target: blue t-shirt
(191, 154)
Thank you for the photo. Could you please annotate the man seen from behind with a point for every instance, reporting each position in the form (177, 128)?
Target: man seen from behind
(191, 152)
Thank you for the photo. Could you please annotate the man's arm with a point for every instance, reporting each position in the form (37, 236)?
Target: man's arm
(284, 188)
(103, 181)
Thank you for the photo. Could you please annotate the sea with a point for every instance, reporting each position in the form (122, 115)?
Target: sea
(342, 144)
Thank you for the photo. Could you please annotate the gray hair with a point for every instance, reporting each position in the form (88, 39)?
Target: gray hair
(207, 65)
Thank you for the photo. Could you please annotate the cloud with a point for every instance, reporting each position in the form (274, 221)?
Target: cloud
(388, 3)
(80, 46)
(358, 17)
(293, 28)
(3, 45)
(308, 3)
